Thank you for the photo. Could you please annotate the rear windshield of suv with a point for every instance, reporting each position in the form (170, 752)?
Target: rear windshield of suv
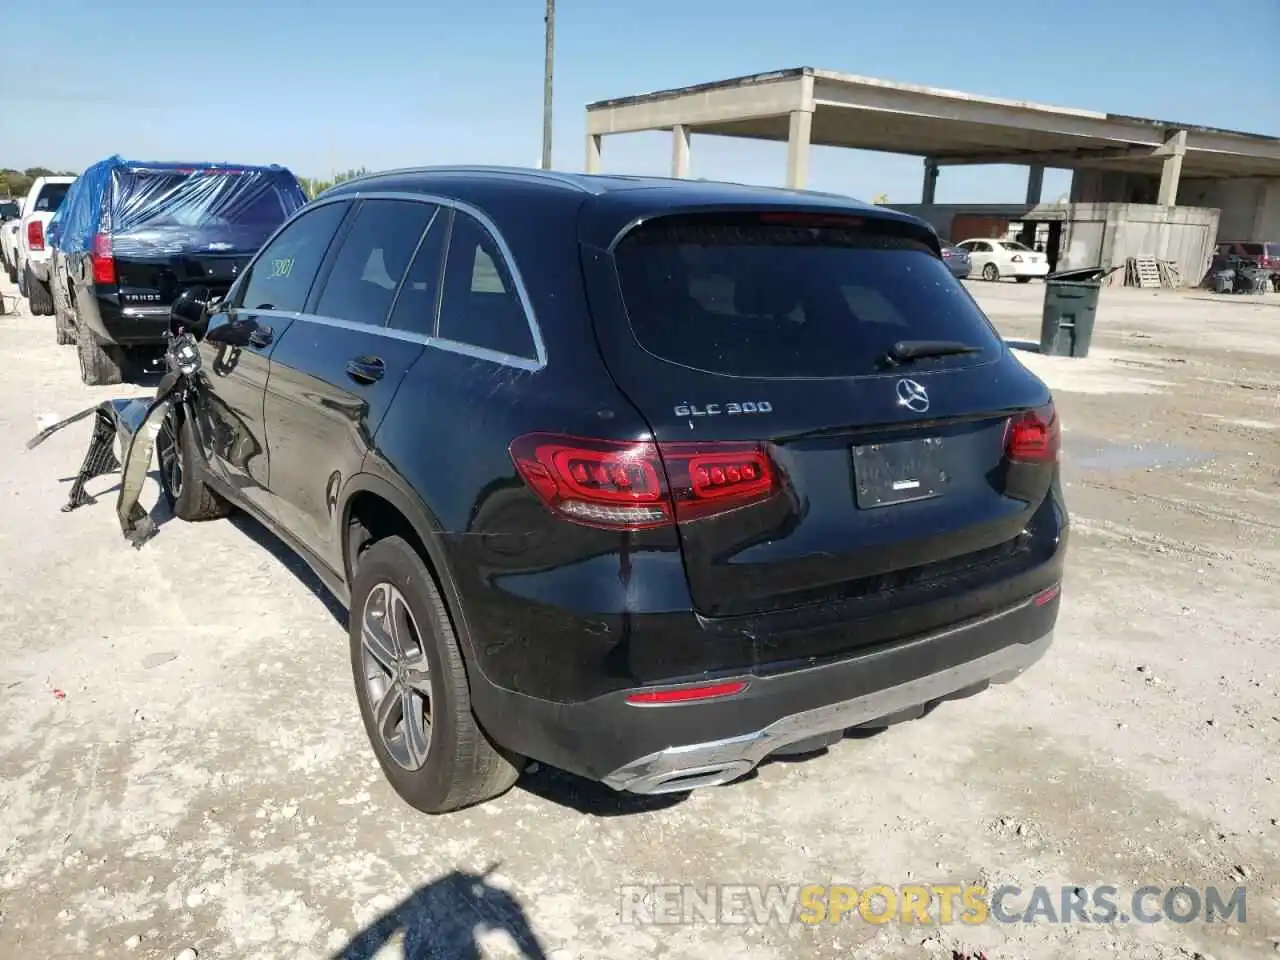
(741, 296)
(202, 200)
(50, 197)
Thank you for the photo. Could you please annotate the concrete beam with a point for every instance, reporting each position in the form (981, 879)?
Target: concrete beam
(680, 151)
(767, 99)
(1035, 183)
(594, 146)
(1053, 158)
(798, 137)
(1173, 150)
(929, 188)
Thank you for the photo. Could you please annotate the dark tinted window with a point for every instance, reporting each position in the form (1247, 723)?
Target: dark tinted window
(9, 210)
(373, 259)
(50, 197)
(747, 298)
(1253, 249)
(480, 306)
(281, 277)
(415, 308)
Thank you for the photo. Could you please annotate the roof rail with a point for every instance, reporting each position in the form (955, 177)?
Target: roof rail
(492, 170)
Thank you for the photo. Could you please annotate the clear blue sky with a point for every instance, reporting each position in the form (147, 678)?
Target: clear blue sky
(323, 85)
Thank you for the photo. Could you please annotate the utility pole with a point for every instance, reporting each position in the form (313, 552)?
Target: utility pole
(546, 84)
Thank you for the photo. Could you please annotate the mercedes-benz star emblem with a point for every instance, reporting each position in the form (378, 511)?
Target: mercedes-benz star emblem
(912, 396)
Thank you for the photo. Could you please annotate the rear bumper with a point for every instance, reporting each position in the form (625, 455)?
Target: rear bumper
(714, 762)
(1029, 270)
(960, 269)
(677, 747)
(127, 326)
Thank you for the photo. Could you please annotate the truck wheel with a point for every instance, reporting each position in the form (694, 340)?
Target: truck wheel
(182, 473)
(411, 686)
(64, 325)
(99, 365)
(38, 296)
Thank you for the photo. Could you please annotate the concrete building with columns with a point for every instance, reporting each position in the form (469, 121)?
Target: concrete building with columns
(1140, 187)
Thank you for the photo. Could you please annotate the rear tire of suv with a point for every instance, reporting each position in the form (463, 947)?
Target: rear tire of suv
(411, 685)
(99, 365)
(182, 474)
(64, 325)
(38, 296)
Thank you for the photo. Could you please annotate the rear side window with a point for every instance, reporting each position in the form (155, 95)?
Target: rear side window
(479, 306)
(374, 257)
(415, 307)
(741, 297)
(50, 197)
(1253, 249)
(1272, 249)
(281, 277)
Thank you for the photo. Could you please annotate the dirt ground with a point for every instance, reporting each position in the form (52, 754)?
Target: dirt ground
(182, 765)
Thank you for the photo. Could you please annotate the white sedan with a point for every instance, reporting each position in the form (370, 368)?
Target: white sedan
(996, 259)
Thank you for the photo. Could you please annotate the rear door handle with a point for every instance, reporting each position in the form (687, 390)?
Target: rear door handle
(261, 337)
(366, 369)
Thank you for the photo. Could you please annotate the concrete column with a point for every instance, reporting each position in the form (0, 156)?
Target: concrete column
(680, 150)
(798, 148)
(930, 187)
(593, 152)
(1173, 150)
(1035, 185)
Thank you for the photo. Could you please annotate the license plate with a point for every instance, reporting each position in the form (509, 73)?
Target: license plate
(900, 472)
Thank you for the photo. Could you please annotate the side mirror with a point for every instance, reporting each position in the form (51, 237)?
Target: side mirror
(190, 311)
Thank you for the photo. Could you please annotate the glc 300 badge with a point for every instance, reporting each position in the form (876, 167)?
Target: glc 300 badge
(718, 409)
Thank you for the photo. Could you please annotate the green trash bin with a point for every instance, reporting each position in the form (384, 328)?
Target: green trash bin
(1070, 307)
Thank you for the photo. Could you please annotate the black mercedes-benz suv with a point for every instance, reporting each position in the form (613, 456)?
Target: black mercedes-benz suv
(645, 479)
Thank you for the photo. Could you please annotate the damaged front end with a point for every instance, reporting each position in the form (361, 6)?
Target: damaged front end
(124, 437)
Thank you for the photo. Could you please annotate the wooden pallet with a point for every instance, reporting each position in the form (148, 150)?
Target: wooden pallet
(1148, 272)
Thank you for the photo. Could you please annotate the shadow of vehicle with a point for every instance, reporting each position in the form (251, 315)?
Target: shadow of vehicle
(591, 797)
(269, 542)
(443, 921)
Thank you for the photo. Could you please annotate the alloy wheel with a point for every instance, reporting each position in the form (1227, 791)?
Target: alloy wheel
(169, 456)
(397, 676)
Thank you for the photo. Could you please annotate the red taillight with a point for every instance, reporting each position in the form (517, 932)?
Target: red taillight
(1034, 436)
(104, 263)
(640, 485)
(708, 691)
(35, 235)
(1046, 596)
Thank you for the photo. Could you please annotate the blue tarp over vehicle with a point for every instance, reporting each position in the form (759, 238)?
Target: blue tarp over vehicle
(159, 209)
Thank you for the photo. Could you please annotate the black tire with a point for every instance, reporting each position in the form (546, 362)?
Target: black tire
(991, 272)
(462, 766)
(99, 365)
(182, 474)
(38, 296)
(64, 324)
(1023, 279)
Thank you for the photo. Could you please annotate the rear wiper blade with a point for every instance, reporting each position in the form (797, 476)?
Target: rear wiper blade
(906, 350)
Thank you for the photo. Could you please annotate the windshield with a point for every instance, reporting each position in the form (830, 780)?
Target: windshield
(203, 199)
(50, 198)
(734, 296)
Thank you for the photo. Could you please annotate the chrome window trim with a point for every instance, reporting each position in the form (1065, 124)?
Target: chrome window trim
(533, 364)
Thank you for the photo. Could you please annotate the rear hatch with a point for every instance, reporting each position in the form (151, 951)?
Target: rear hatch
(831, 479)
(171, 228)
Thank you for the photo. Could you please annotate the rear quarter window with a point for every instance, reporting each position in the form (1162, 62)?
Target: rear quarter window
(744, 298)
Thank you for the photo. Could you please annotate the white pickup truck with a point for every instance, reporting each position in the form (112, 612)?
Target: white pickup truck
(32, 255)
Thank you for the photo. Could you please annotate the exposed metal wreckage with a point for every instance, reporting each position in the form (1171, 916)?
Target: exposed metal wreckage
(131, 427)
